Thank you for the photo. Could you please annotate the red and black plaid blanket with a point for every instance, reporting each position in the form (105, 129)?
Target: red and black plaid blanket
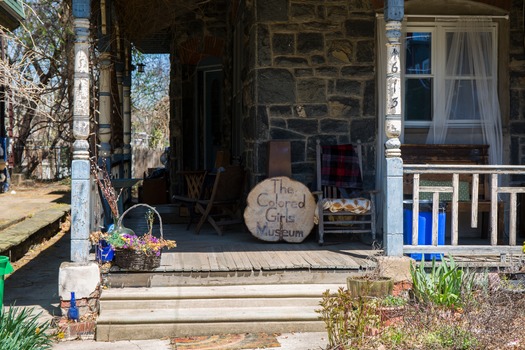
(340, 167)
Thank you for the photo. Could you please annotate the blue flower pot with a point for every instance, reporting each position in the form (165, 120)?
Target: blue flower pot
(104, 252)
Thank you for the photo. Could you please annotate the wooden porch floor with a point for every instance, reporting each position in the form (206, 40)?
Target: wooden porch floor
(238, 250)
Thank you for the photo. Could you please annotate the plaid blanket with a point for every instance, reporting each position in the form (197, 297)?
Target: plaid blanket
(340, 167)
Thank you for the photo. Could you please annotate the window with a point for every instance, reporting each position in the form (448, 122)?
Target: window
(419, 79)
(450, 83)
(427, 85)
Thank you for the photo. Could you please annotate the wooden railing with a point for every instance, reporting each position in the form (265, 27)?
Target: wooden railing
(497, 195)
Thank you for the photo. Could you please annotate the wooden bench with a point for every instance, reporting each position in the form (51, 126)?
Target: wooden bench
(454, 154)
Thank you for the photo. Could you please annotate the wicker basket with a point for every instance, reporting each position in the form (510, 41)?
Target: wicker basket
(135, 260)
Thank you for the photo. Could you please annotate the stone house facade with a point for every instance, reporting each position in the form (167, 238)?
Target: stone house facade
(249, 71)
(301, 70)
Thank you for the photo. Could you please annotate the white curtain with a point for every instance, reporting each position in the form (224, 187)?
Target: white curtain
(469, 92)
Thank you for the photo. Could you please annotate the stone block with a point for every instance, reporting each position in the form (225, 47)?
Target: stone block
(348, 87)
(365, 51)
(280, 111)
(363, 129)
(290, 61)
(285, 134)
(369, 99)
(334, 126)
(264, 55)
(316, 110)
(344, 106)
(272, 10)
(303, 72)
(81, 278)
(306, 127)
(283, 44)
(311, 90)
(329, 72)
(302, 11)
(310, 42)
(360, 27)
(276, 86)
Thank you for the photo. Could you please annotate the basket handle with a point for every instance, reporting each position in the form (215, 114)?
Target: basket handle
(145, 205)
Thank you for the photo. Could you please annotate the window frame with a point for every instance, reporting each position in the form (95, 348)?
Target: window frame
(439, 30)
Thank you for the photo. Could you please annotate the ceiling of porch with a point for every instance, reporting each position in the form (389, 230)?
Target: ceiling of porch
(148, 24)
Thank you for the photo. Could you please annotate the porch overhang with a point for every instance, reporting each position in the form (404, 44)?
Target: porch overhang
(459, 7)
(148, 24)
(11, 13)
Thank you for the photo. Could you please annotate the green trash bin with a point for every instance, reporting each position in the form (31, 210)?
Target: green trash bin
(5, 268)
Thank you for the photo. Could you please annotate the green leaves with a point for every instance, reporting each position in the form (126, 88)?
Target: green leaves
(21, 330)
(445, 285)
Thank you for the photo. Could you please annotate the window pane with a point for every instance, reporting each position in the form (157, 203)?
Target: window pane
(418, 99)
(418, 47)
(458, 44)
(464, 101)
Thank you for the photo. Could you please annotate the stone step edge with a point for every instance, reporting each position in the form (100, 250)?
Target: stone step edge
(140, 305)
(17, 234)
(214, 278)
(219, 292)
(210, 315)
(113, 332)
(3, 227)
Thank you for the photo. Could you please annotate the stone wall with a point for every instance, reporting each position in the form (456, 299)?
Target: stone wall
(517, 85)
(313, 74)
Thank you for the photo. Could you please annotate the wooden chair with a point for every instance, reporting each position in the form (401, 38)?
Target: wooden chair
(194, 191)
(343, 206)
(221, 208)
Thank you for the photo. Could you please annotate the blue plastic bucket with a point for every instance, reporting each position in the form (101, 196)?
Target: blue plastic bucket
(424, 227)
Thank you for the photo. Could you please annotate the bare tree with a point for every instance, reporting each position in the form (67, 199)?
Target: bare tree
(37, 74)
(149, 95)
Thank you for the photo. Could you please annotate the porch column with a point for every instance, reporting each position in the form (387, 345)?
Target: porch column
(104, 119)
(126, 110)
(80, 167)
(393, 199)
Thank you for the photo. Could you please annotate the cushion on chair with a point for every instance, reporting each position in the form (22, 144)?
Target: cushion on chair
(351, 205)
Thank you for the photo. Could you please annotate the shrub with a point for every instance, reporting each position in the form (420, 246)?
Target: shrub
(21, 330)
(445, 285)
(348, 319)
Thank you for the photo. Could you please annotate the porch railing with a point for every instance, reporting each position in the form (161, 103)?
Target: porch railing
(497, 192)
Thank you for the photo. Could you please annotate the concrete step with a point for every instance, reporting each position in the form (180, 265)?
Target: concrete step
(17, 239)
(217, 292)
(141, 305)
(146, 313)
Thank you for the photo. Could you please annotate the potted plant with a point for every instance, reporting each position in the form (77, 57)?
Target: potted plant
(136, 252)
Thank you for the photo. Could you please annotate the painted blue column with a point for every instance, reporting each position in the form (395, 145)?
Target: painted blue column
(80, 167)
(393, 187)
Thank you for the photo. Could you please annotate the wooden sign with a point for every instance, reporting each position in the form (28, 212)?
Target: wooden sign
(280, 208)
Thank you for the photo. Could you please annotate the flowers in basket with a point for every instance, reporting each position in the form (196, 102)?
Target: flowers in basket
(147, 244)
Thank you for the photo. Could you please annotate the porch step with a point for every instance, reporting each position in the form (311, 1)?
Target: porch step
(149, 313)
